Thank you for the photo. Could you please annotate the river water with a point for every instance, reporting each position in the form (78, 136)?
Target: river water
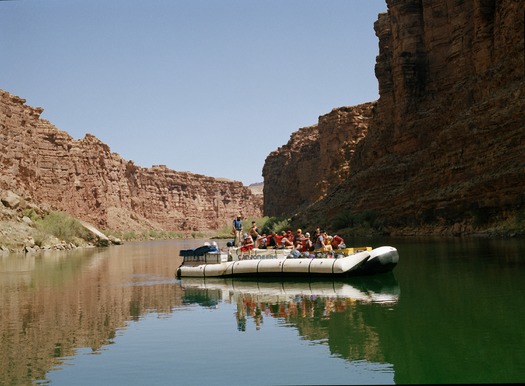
(451, 312)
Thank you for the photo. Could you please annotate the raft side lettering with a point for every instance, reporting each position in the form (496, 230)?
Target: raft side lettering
(260, 257)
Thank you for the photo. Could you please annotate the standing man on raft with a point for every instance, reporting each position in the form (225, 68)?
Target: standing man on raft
(237, 230)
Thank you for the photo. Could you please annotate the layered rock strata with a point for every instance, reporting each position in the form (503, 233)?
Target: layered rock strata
(314, 160)
(84, 178)
(446, 143)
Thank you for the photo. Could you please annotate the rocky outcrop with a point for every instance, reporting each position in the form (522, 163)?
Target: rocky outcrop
(84, 178)
(315, 159)
(445, 147)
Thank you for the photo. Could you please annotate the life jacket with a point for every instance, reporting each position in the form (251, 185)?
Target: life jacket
(336, 240)
(307, 245)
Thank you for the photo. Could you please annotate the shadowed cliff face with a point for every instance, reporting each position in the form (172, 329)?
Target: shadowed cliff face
(84, 178)
(445, 146)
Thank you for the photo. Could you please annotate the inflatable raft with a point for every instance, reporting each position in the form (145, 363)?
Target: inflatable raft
(210, 262)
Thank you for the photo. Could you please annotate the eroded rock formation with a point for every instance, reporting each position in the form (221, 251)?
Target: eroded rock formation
(445, 147)
(316, 158)
(84, 178)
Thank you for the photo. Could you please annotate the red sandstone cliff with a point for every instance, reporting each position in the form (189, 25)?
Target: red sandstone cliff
(445, 147)
(84, 178)
(315, 159)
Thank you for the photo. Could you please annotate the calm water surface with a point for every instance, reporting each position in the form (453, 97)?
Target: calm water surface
(451, 312)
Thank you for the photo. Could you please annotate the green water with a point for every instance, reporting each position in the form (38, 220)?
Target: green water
(451, 312)
(459, 319)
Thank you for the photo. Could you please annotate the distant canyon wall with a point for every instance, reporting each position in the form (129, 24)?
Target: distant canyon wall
(445, 144)
(84, 178)
(314, 160)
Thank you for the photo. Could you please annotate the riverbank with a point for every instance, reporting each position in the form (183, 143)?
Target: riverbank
(28, 227)
(21, 235)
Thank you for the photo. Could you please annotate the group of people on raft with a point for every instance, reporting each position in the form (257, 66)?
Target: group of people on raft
(319, 241)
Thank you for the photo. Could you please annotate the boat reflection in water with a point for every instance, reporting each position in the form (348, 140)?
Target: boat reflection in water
(293, 301)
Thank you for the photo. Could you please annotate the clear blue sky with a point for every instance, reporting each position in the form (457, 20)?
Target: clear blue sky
(206, 86)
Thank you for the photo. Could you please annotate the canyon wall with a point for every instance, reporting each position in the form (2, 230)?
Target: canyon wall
(314, 160)
(84, 178)
(445, 147)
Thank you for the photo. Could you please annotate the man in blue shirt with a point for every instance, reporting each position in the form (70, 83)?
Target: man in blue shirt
(237, 230)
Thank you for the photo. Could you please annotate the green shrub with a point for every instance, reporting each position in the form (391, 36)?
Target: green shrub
(149, 234)
(481, 216)
(520, 218)
(343, 220)
(278, 225)
(5, 242)
(366, 218)
(197, 235)
(62, 226)
(31, 213)
(129, 235)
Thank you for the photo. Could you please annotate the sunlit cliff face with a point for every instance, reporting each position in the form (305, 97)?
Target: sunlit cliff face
(84, 178)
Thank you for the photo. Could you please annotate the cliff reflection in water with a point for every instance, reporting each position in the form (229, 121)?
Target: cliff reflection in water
(52, 304)
(343, 314)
